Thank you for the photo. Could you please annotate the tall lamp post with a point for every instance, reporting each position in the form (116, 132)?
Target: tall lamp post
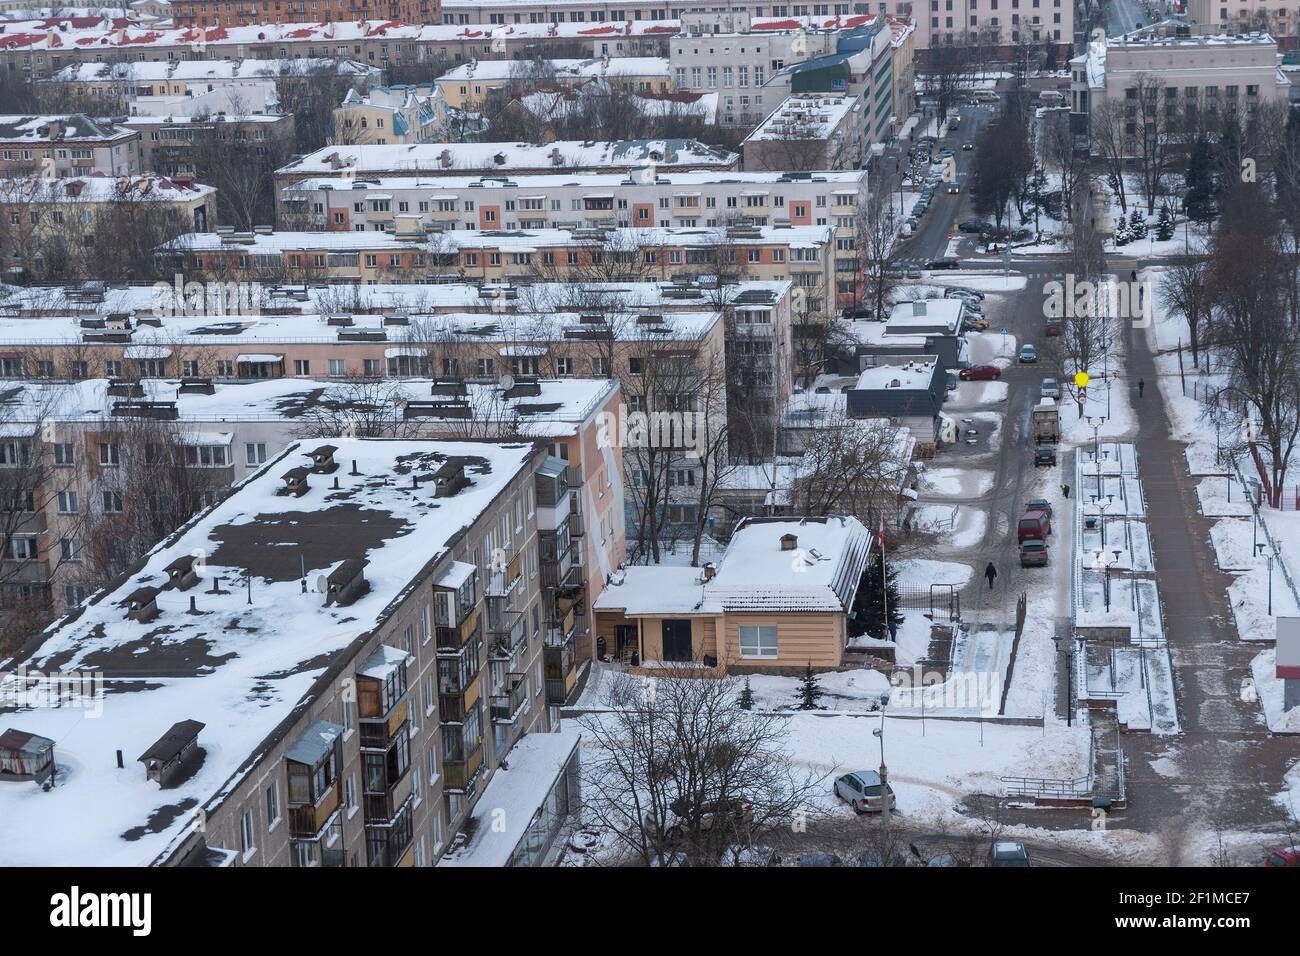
(879, 733)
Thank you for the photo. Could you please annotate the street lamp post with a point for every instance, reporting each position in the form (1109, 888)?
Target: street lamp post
(879, 733)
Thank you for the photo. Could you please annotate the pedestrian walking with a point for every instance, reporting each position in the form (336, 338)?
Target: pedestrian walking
(1141, 386)
(1065, 490)
(990, 572)
(1134, 275)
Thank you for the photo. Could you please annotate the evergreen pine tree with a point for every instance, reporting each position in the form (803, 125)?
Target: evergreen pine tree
(1137, 225)
(810, 690)
(1165, 225)
(1198, 178)
(869, 603)
(746, 700)
(1122, 235)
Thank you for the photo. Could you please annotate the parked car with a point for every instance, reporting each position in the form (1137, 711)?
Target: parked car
(1028, 354)
(980, 373)
(1053, 328)
(952, 381)
(919, 209)
(732, 812)
(1033, 524)
(972, 225)
(967, 147)
(1283, 856)
(819, 859)
(969, 293)
(975, 323)
(1009, 853)
(1033, 553)
(1044, 455)
(948, 262)
(861, 312)
(1049, 389)
(952, 189)
(861, 791)
(1039, 504)
(972, 306)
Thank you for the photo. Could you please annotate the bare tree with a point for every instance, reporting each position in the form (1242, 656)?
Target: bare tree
(678, 772)
(1184, 289)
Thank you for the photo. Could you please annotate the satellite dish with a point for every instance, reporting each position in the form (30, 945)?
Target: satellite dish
(507, 381)
(322, 584)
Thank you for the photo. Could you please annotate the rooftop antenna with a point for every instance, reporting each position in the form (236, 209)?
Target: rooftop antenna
(302, 564)
(250, 588)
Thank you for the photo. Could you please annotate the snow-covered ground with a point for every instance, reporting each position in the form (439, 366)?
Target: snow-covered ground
(956, 482)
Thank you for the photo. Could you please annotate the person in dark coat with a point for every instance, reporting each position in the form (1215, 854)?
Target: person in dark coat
(1141, 386)
(990, 572)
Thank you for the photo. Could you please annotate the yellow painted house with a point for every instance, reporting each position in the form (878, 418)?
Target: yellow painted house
(779, 599)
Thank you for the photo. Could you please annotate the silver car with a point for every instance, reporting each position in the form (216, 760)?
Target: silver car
(861, 790)
(1049, 389)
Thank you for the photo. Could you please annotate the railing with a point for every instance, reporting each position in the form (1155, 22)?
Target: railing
(1272, 542)
(505, 707)
(1048, 788)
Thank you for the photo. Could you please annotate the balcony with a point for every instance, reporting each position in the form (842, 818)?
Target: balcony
(452, 640)
(309, 820)
(379, 734)
(502, 583)
(560, 665)
(507, 705)
(453, 705)
(509, 636)
(461, 775)
(325, 850)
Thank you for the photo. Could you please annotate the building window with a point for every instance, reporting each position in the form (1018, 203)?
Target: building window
(255, 453)
(273, 804)
(246, 841)
(758, 641)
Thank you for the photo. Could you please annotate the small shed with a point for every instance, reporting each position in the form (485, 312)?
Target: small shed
(183, 572)
(322, 460)
(142, 605)
(346, 583)
(295, 481)
(25, 756)
(170, 754)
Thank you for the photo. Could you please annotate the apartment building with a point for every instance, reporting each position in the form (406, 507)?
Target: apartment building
(803, 254)
(398, 114)
(643, 157)
(552, 201)
(190, 78)
(37, 49)
(61, 217)
(1206, 71)
(169, 142)
(228, 430)
(806, 132)
(67, 145)
(1274, 17)
(221, 13)
(470, 86)
(1000, 25)
(778, 600)
(393, 575)
(720, 53)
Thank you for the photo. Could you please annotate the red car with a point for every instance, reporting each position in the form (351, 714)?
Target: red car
(1286, 856)
(980, 373)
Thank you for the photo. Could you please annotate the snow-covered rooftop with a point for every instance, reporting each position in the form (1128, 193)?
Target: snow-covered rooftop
(205, 71)
(514, 796)
(435, 158)
(819, 573)
(914, 374)
(591, 68)
(558, 408)
(805, 116)
(592, 180)
(240, 668)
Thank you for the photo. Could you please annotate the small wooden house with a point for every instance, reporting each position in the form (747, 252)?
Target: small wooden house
(167, 758)
(25, 756)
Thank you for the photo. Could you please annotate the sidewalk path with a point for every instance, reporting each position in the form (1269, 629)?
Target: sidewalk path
(1225, 767)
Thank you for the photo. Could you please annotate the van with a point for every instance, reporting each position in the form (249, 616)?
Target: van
(1035, 525)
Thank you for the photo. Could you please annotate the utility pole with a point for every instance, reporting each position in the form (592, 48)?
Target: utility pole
(879, 732)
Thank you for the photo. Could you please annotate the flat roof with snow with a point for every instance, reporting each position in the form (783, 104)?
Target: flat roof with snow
(241, 669)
